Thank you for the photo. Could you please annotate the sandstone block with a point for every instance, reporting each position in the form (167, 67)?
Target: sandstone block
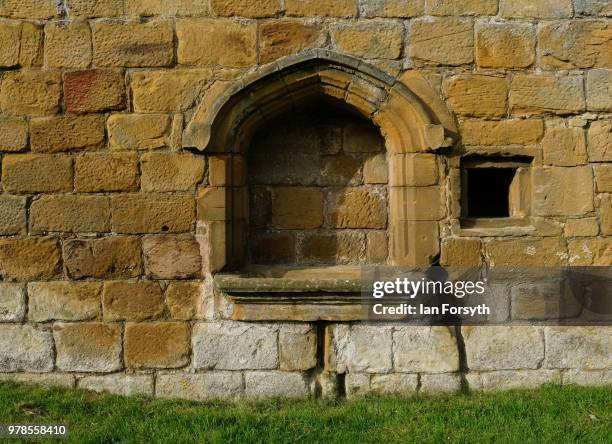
(502, 132)
(68, 44)
(578, 347)
(599, 141)
(462, 7)
(564, 147)
(512, 379)
(541, 93)
(13, 133)
(603, 178)
(546, 252)
(596, 252)
(12, 214)
(31, 173)
(537, 9)
(119, 384)
(340, 171)
(361, 139)
(70, 213)
(95, 173)
(575, 44)
(417, 203)
(505, 45)
(12, 302)
(94, 90)
(148, 8)
(297, 347)
(358, 208)
(172, 257)
(461, 253)
(184, 300)
(297, 208)
(246, 8)
(369, 349)
(88, 347)
(25, 348)
(168, 91)
(585, 227)
(63, 300)
(43, 379)
(171, 171)
(562, 191)
(440, 383)
(10, 39)
(415, 170)
(152, 213)
(157, 345)
(605, 214)
(333, 248)
(378, 247)
(281, 38)
(375, 170)
(212, 204)
(593, 7)
(35, 93)
(324, 8)
(357, 385)
(134, 301)
(31, 258)
(104, 258)
(132, 44)
(599, 90)
(442, 41)
(268, 248)
(391, 8)
(477, 95)
(394, 384)
(261, 385)
(212, 42)
(425, 349)
(94, 8)
(65, 133)
(371, 40)
(503, 347)
(414, 243)
(226, 345)
(31, 50)
(199, 386)
(31, 9)
(592, 378)
(138, 131)
(547, 300)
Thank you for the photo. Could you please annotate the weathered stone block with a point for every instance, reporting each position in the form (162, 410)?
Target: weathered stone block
(172, 257)
(440, 383)
(12, 302)
(88, 347)
(340, 171)
(414, 243)
(211, 42)
(513, 379)
(394, 384)
(324, 8)
(505, 45)
(95, 173)
(262, 385)
(417, 203)
(592, 378)
(168, 91)
(585, 227)
(42, 379)
(134, 301)
(599, 90)
(546, 252)
(94, 8)
(377, 247)
(544, 93)
(477, 95)
(31, 50)
(70, 213)
(226, 345)
(65, 301)
(68, 44)
(596, 252)
(269, 248)
(578, 347)
(357, 207)
(442, 41)
(414, 170)
(425, 349)
(35, 93)
(361, 139)
(119, 384)
(31, 9)
(284, 37)
(199, 386)
(357, 385)
(65, 133)
(132, 44)
(25, 348)
(297, 208)
(462, 7)
(593, 7)
(156, 345)
(333, 248)
(184, 300)
(376, 170)
(171, 171)
(152, 213)
(31, 173)
(461, 253)
(575, 44)
(105, 258)
(535, 9)
(297, 347)
(562, 191)
(31, 258)
(391, 8)
(246, 8)
(547, 300)
(138, 131)
(605, 214)
(13, 133)
(599, 141)
(10, 39)
(503, 347)
(94, 90)
(12, 214)
(147, 8)
(564, 147)
(502, 132)
(369, 349)
(370, 40)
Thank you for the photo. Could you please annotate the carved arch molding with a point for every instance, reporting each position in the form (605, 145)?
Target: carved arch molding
(409, 113)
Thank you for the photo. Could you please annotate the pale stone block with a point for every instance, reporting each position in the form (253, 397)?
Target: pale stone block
(25, 348)
(578, 347)
(276, 384)
(199, 386)
(120, 384)
(509, 380)
(12, 302)
(425, 349)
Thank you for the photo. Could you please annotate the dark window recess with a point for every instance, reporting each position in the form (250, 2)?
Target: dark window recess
(488, 190)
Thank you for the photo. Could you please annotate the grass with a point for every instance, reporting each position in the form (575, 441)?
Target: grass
(552, 414)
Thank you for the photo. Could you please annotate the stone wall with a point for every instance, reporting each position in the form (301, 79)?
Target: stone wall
(112, 224)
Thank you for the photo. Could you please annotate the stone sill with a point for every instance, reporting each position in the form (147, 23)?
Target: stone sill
(501, 226)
